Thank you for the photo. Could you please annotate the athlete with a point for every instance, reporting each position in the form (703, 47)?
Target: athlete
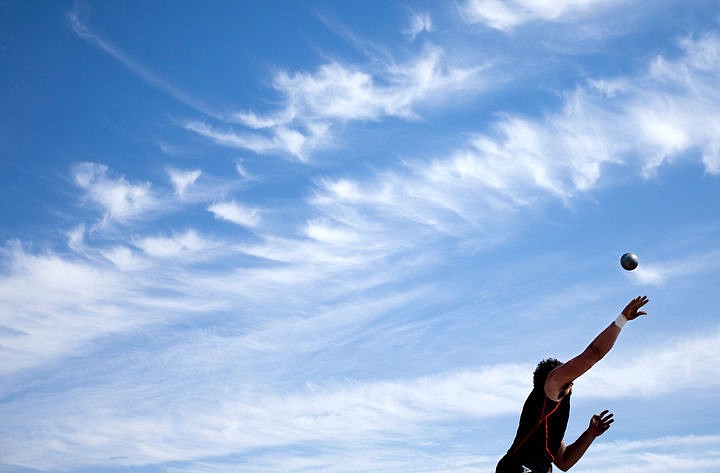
(539, 439)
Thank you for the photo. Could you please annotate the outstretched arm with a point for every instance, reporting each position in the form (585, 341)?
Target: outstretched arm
(563, 375)
(566, 457)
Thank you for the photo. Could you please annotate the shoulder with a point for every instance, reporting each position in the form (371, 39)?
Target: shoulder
(537, 398)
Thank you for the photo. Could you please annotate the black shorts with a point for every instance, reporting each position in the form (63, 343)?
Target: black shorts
(513, 464)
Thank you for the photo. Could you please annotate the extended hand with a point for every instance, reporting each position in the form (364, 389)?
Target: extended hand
(631, 310)
(600, 423)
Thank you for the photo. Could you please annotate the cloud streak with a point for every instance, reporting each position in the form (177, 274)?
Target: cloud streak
(419, 23)
(640, 123)
(351, 413)
(508, 15)
(236, 213)
(338, 93)
(83, 30)
(120, 200)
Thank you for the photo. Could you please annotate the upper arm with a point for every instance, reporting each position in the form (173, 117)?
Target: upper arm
(569, 372)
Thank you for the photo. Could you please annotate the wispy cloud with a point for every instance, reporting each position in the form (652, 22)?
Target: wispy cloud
(253, 142)
(419, 23)
(181, 246)
(355, 459)
(182, 180)
(666, 454)
(41, 293)
(336, 414)
(659, 455)
(124, 258)
(640, 122)
(659, 273)
(354, 223)
(119, 199)
(85, 31)
(242, 172)
(353, 413)
(122, 201)
(340, 92)
(337, 93)
(236, 213)
(506, 15)
(694, 360)
(281, 140)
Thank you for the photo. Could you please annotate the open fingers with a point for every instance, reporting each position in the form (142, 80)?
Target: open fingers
(601, 422)
(605, 417)
(631, 310)
(640, 301)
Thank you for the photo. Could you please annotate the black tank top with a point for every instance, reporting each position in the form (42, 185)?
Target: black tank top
(541, 429)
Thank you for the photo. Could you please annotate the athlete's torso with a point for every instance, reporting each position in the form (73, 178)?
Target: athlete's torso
(540, 431)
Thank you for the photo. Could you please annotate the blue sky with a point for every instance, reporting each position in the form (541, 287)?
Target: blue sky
(337, 236)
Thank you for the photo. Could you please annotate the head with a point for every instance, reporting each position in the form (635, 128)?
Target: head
(543, 369)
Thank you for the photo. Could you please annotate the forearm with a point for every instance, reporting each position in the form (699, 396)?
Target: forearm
(573, 452)
(602, 344)
(605, 341)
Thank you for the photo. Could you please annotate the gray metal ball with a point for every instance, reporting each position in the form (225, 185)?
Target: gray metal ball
(629, 261)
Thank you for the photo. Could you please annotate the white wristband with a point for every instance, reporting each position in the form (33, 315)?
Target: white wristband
(621, 321)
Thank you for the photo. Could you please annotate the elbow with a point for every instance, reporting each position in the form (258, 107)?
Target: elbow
(564, 460)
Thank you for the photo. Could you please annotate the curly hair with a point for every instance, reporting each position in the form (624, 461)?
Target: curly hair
(543, 369)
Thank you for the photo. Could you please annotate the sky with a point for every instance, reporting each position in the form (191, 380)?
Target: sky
(337, 237)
